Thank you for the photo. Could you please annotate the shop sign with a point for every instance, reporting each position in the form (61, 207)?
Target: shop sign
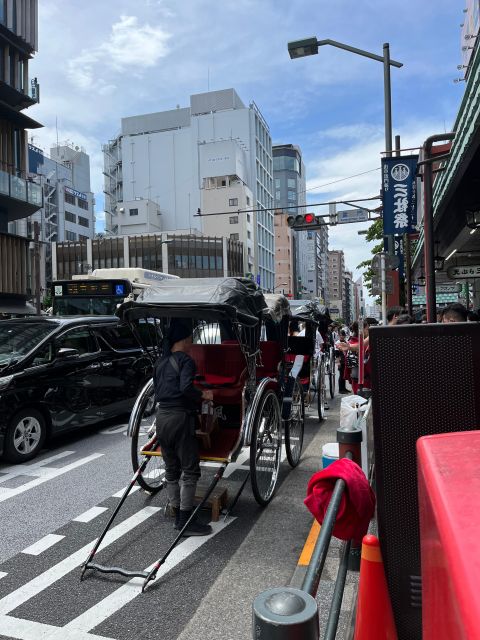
(464, 271)
(399, 191)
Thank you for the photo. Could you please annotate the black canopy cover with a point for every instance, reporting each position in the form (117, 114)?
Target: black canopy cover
(238, 298)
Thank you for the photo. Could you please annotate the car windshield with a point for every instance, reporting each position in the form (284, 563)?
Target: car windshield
(18, 338)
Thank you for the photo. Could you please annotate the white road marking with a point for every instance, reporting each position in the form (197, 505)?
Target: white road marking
(89, 515)
(6, 493)
(120, 493)
(31, 469)
(114, 430)
(3, 574)
(131, 589)
(53, 574)
(19, 629)
(43, 544)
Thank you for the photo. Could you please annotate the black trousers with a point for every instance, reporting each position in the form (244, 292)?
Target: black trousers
(176, 436)
(341, 369)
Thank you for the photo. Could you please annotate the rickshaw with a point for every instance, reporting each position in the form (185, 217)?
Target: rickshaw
(240, 338)
(316, 365)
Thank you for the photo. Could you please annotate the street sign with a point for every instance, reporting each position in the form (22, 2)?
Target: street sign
(464, 271)
(448, 288)
(377, 285)
(352, 215)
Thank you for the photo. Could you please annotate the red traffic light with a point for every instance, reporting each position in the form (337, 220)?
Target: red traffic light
(309, 218)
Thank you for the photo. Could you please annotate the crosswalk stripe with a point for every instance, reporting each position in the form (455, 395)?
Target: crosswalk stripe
(19, 629)
(89, 515)
(43, 544)
(53, 574)
(7, 493)
(32, 469)
(3, 574)
(131, 589)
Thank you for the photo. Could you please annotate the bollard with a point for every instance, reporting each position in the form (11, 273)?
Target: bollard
(285, 613)
(350, 440)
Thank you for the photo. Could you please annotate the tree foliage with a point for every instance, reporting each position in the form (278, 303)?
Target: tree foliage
(374, 234)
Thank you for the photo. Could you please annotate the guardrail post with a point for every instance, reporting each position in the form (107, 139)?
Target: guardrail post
(285, 613)
(350, 442)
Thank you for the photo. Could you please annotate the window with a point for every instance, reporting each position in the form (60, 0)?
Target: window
(3, 11)
(277, 183)
(84, 222)
(292, 183)
(133, 212)
(83, 204)
(249, 235)
(70, 217)
(248, 200)
(248, 216)
(233, 202)
(69, 235)
(292, 196)
(80, 339)
(278, 195)
(234, 236)
(69, 198)
(118, 338)
(233, 219)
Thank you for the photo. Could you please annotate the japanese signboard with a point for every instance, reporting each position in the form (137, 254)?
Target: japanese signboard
(78, 194)
(399, 191)
(352, 215)
(464, 271)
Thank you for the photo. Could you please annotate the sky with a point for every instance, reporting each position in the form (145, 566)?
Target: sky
(101, 60)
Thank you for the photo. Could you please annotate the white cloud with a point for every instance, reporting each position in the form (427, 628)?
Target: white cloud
(131, 47)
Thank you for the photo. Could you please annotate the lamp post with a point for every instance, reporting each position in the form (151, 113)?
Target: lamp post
(309, 47)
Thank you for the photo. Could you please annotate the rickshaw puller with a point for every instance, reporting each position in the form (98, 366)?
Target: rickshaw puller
(178, 405)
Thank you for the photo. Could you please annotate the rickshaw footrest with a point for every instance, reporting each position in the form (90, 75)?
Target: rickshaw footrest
(122, 572)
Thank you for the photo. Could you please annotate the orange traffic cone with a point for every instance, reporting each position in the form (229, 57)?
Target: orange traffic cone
(374, 610)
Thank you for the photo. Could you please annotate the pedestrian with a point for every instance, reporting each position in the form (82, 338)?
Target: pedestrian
(473, 316)
(404, 318)
(440, 314)
(178, 405)
(342, 388)
(392, 315)
(455, 312)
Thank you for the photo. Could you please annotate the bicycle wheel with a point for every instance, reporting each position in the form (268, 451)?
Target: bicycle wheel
(331, 374)
(142, 429)
(265, 448)
(321, 391)
(295, 426)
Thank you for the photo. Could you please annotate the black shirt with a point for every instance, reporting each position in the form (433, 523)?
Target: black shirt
(173, 390)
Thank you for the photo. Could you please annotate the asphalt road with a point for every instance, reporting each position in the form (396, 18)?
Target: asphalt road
(53, 508)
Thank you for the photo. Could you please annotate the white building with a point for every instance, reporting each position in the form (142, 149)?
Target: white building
(214, 156)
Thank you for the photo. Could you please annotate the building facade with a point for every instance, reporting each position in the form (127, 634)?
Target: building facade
(336, 282)
(20, 195)
(186, 255)
(186, 163)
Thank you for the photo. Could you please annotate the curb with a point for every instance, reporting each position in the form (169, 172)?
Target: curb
(305, 556)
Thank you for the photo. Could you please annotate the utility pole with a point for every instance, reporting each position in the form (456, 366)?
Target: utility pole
(36, 266)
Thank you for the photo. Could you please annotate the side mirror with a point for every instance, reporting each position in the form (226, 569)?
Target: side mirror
(64, 353)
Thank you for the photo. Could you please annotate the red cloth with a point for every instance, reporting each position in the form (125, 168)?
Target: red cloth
(358, 501)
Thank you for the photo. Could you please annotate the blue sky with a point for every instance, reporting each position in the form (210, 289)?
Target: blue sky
(101, 60)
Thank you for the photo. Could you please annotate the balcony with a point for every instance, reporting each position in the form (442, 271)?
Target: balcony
(19, 197)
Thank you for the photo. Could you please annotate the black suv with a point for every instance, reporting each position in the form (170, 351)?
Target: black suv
(58, 374)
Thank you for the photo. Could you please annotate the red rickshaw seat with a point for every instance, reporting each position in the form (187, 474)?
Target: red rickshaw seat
(271, 356)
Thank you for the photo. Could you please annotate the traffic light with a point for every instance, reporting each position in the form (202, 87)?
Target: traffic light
(304, 221)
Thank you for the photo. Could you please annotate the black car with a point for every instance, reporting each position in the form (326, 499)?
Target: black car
(58, 374)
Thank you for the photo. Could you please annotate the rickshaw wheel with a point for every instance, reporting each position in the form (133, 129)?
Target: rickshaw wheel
(151, 479)
(265, 448)
(331, 374)
(295, 426)
(321, 390)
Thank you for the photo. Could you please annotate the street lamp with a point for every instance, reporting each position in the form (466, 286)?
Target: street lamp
(309, 47)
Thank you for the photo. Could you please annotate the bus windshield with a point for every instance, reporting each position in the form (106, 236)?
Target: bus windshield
(89, 297)
(76, 306)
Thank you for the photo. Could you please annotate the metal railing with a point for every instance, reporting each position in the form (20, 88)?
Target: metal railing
(286, 613)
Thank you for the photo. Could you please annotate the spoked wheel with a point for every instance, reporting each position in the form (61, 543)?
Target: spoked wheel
(142, 430)
(265, 448)
(331, 374)
(321, 390)
(295, 426)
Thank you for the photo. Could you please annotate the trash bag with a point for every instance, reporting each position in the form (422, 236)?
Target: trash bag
(350, 409)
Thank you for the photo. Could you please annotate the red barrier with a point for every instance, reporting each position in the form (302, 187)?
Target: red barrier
(449, 486)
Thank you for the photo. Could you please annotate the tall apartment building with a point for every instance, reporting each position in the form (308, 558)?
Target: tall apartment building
(336, 282)
(213, 157)
(308, 249)
(20, 196)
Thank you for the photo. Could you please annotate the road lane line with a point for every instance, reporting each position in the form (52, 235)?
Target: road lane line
(88, 516)
(53, 574)
(27, 469)
(3, 574)
(19, 629)
(6, 493)
(43, 544)
(120, 493)
(131, 589)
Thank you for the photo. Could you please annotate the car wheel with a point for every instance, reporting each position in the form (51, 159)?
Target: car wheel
(25, 436)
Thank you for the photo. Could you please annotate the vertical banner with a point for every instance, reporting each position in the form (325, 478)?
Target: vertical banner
(399, 193)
